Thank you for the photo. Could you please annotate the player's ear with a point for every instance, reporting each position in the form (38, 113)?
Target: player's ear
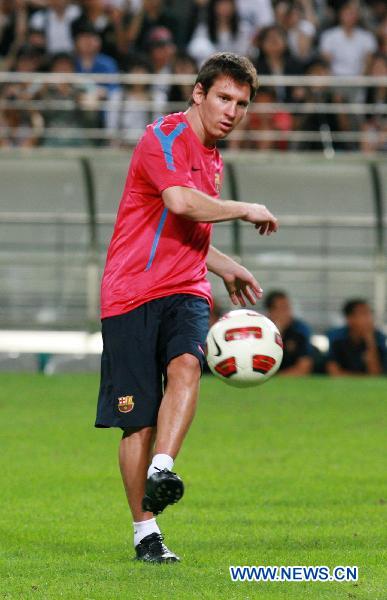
(198, 93)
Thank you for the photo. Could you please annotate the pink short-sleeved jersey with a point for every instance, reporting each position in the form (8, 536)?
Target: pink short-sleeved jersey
(153, 252)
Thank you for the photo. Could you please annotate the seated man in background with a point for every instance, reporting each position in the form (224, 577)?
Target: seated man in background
(358, 348)
(90, 59)
(298, 351)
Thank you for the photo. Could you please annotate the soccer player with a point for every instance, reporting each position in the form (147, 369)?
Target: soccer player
(155, 298)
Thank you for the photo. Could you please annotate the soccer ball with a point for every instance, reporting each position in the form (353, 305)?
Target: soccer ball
(244, 348)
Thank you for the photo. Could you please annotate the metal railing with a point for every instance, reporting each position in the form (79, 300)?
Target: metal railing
(116, 105)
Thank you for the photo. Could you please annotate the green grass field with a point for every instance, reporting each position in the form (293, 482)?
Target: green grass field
(292, 473)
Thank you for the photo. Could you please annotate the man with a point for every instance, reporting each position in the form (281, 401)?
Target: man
(254, 15)
(358, 348)
(322, 121)
(107, 22)
(55, 21)
(70, 118)
(90, 59)
(161, 51)
(155, 296)
(88, 55)
(148, 15)
(347, 47)
(298, 351)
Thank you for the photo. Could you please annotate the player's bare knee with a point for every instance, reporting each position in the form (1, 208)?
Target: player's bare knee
(184, 366)
(145, 433)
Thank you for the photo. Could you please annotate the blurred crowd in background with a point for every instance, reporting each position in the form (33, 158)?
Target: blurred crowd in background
(282, 37)
(356, 347)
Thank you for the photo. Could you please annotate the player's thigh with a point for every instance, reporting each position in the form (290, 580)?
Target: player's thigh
(184, 328)
(131, 367)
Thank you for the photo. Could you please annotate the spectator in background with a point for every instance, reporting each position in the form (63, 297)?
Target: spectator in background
(161, 51)
(106, 20)
(22, 127)
(221, 31)
(299, 20)
(381, 36)
(69, 117)
(374, 126)
(55, 21)
(36, 39)
(134, 113)
(33, 52)
(324, 123)
(254, 16)
(358, 348)
(28, 60)
(275, 59)
(152, 13)
(13, 27)
(298, 351)
(88, 55)
(184, 64)
(376, 13)
(89, 59)
(265, 124)
(348, 48)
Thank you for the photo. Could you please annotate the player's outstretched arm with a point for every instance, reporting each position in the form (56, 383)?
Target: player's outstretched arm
(240, 283)
(197, 206)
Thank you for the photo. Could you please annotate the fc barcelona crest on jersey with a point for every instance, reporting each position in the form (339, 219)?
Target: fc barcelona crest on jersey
(217, 182)
(125, 404)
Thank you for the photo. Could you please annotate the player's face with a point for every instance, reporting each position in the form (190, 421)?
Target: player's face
(222, 108)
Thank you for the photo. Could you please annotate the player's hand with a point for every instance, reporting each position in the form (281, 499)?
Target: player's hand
(241, 286)
(261, 217)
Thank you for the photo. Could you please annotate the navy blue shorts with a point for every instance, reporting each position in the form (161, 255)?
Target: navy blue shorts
(137, 347)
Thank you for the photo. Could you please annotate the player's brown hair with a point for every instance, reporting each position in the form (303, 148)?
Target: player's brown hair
(239, 68)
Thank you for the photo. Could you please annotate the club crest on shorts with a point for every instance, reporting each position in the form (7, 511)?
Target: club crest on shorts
(125, 404)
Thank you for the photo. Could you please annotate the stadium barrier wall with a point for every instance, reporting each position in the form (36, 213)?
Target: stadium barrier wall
(57, 212)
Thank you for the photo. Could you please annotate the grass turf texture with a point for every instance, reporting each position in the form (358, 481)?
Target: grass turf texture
(291, 473)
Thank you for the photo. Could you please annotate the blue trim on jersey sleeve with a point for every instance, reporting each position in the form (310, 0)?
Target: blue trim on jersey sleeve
(167, 141)
(157, 238)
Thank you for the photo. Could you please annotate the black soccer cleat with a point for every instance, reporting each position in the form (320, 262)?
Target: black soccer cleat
(162, 488)
(151, 549)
